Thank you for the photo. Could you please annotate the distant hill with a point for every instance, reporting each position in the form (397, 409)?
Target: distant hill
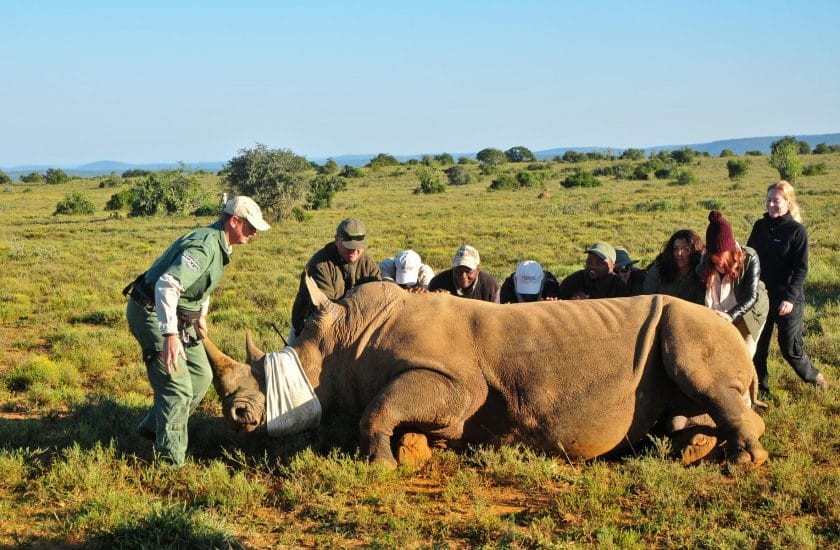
(739, 146)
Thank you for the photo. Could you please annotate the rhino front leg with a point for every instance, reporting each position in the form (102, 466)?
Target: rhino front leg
(420, 400)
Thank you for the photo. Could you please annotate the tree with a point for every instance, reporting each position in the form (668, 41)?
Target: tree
(322, 190)
(785, 159)
(737, 168)
(55, 176)
(727, 153)
(276, 179)
(136, 173)
(490, 156)
(4, 178)
(632, 154)
(520, 154)
(804, 147)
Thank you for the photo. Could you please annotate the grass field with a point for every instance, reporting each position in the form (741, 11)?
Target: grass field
(73, 386)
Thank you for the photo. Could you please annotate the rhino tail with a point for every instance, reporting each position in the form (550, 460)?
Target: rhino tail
(757, 404)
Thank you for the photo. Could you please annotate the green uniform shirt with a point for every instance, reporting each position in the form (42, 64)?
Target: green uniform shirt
(197, 260)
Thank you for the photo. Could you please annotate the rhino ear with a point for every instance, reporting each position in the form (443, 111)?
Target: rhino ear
(319, 299)
(252, 352)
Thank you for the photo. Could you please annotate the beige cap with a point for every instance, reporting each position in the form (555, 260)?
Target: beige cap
(245, 207)
(466, 256)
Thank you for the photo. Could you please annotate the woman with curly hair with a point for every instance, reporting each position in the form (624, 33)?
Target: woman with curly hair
(782, 245)
(731, 276)
(673, 271)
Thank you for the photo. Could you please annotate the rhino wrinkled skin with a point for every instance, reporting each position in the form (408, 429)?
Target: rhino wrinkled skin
(578, 379)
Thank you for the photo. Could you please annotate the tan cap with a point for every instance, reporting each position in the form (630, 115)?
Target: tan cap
(245, 207)
(466, 256)
(604, 251)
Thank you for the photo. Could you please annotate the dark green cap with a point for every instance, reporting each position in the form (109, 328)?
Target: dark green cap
(351, 232)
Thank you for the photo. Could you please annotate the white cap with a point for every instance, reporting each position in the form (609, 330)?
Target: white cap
(407, 264)
(528, 278)
(245, 207)
(466, 256)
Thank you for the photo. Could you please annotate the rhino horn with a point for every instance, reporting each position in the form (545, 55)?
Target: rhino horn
(319, 300)
(252, 352)
(221, 364)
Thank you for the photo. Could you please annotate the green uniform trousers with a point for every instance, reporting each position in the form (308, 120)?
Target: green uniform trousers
(176, 394)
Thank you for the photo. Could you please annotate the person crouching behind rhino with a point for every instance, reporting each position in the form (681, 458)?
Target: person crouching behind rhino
(529, 283)
(466, 279)
(166, 303)
(730, 273)
(407, 270)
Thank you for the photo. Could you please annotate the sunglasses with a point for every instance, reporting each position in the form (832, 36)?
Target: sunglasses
(624, 268)
(348, 237)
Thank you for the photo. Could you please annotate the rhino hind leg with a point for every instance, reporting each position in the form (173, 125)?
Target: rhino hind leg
(421, 401)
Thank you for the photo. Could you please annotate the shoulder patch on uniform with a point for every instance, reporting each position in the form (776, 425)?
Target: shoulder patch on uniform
(189, 261)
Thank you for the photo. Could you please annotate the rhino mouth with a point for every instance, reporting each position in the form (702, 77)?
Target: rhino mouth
(246, 413)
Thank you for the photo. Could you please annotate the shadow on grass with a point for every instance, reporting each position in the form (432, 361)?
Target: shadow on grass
(104, 421)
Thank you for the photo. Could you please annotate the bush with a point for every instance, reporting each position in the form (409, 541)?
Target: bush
(754, 154)
(632, 154)
(684, 155)
(785, 158)
(737, 168)
(4, 178)
(110, 181)
(819, 169)
(466, 160)
(322, 190)
(618, 170)
(351, 172)
(581, 178)
(712, 204)
(727, 153)
(329, 167)
(74, 203)
(444, 159)
(529, 179)
(823, 149)
(32, 177)
(573, 156)
(459, 175)
(54, 176)
(504, 182)
(136, 173)
(277, 179)
(121, 200)
(684, 177)
(429, 181)
(382, 160)
(166, 192)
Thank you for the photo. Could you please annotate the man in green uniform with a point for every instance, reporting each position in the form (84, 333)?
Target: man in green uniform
(336, 268)
(167, 302)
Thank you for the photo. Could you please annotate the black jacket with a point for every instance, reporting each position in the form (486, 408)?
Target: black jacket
(782, 247)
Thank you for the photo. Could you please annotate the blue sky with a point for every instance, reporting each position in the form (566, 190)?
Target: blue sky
(157, 81)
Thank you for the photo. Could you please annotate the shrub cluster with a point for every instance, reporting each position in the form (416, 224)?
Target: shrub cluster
(737, 168)
(819, 169)
(54, 176)
(581, 178)
(74, 203)
(169, 192)
(459, 175)
(136, 173)
(429, 181)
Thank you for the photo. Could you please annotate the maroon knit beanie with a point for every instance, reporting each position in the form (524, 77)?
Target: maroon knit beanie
(719, 237)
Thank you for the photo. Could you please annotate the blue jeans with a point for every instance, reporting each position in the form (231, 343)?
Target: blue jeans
(791, 344)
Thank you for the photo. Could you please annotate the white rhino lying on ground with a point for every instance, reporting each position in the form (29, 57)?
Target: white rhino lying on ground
(575, 378)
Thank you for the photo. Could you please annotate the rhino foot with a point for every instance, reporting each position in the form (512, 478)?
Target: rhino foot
(413, 450)
(699, 447)
(746, 456)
